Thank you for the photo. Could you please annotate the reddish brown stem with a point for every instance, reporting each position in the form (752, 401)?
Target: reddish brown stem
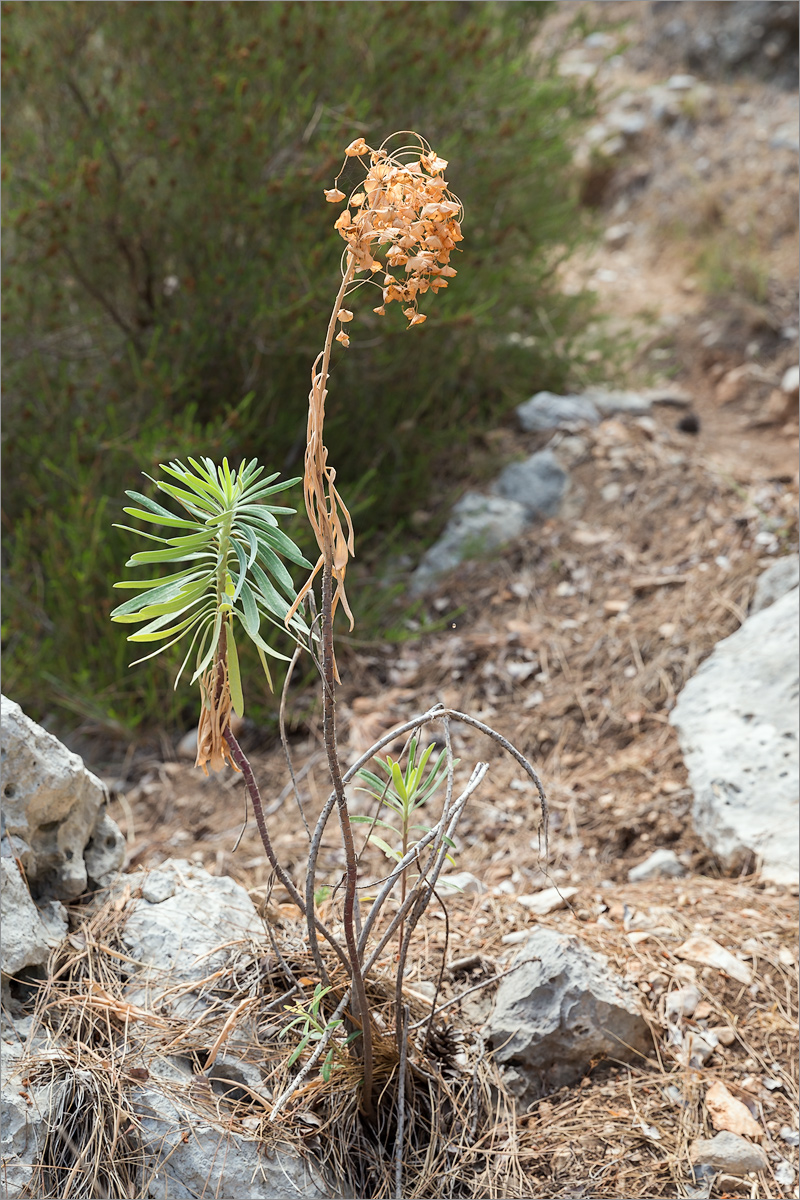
(239, 757)
(351, 868)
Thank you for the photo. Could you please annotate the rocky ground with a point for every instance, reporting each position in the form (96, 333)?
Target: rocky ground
(575, 639)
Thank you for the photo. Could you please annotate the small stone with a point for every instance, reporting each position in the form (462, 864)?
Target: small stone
(548, 900)
(730, 1153)
(681, 83)
(611, 492)
(27, 937)
(187, 746)
(705, 950)
(790, 383)
(661, 864)
(515, 938)
(546, 410)
(464, 882)
(682, 1002)
(724, 1034)
(617, 235)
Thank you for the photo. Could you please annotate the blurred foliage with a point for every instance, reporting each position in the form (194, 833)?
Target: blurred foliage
(170, 264)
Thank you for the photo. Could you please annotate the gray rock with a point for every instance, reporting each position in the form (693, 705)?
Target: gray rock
(546, 411)
(187, 1156)
(23, 1127)
(661, 864)
(478, 525)
(51, 808)
(737, 722)
(187, 935)
(627, 403)
(778, 579)
(730, 1153)
(28, 935)
(539, 484)
(790, 382)
(629, 124)
(562, 1009)
(548, 900)
(104, 853)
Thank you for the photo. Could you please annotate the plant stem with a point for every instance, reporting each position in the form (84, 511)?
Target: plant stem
(239, 757)
(329, 734)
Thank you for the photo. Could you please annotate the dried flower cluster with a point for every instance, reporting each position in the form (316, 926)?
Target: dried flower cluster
(403, 205)
(404, 211)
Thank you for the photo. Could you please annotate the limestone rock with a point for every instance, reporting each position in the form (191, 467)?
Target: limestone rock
(737, 721)
(539, 484)
(182, 926)
(546, 411)
(730, 1153)
(28, 934)
(187, 1156)
(562, 1008)
(478, 524)
(52, 807)
(778, 579)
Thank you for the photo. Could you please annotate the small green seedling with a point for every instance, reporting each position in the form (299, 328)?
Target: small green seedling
(403, 792)
(313, 1030)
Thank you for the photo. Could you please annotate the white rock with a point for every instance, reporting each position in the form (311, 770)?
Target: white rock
(790, 383)
(778, 579)
(661, 864)
(464, 882)
(23, 1127)
(28, 935)
(539, 484)
(682, 1002)
(681, 83)
(728, 1152)
(705, 950)
(546, 411)
(737, 722)
(478, 525)
(548, 900)
(52, 807)
(187, 1156)
(186, 935)
(558, 1012)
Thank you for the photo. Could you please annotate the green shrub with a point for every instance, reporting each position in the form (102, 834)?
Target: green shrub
(169, 263)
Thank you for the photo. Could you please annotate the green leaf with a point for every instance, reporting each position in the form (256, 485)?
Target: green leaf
(278, 539)
(395, 855)
(249, 610)
(265, 666)
(153, 595)
(241, 556)
(151, 505)
(276, 568)
(399, 782)
(154, 583)
(153, 556)
(157, 519)
(197, 497)
(209, 654)
(361, 819)
(234, 674)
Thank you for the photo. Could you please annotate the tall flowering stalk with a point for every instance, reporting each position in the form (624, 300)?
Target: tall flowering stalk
(400, 226)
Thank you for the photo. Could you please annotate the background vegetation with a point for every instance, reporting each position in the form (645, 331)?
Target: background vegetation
(170, 264)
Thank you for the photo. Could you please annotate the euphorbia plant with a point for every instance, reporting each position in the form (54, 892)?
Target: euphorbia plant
(400, 226)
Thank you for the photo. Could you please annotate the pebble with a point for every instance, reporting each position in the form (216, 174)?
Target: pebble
(681, 83)
(546, 410)
(730, 1153)
(547, 901)
(661, 864)
(617, 235)
(682, 1002)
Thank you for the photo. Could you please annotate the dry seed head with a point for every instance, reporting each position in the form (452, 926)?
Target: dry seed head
(404, 205)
